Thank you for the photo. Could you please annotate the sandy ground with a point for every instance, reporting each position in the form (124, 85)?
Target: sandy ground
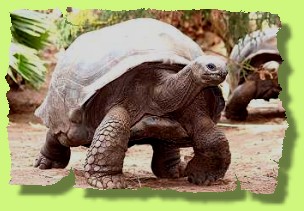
(256, 147)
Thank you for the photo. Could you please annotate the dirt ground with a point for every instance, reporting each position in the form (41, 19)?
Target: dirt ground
(256, 147)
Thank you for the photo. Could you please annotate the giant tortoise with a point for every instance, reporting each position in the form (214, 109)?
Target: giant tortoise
(253, 72)
(142, 74)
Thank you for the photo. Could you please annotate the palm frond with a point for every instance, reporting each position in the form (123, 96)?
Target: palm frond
(30, 28)
(30, 33)
(25, 62)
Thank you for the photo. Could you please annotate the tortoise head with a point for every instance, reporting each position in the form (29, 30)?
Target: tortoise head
(209, 69)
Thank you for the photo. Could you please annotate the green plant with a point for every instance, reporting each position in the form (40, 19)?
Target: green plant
(76, 23)
(30, 33)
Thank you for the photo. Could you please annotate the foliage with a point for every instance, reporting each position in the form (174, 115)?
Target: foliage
(79, 22)
(29, 35)
(73, 25)
(229, 26)
(26, 62)
(232, 26)
(31, 30)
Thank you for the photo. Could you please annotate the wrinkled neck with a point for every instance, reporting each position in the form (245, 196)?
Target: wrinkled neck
(177, 90)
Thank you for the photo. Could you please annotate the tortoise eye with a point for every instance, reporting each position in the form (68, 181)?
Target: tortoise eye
(211, 66)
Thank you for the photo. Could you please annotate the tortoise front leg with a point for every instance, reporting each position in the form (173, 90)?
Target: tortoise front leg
(53, 154)
(104, 162)
(236, 108)
(211, 154)
(166, 162)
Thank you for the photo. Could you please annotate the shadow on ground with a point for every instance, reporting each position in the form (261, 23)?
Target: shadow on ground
(67, 183)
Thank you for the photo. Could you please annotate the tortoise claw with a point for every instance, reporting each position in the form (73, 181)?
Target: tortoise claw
(201, 174)
(107, 182)
(43, 162)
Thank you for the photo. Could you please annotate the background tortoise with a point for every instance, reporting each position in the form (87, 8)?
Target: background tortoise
(113, 78)
(259, 50)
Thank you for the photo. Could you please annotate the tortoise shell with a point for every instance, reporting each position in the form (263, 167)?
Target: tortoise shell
(97, 58)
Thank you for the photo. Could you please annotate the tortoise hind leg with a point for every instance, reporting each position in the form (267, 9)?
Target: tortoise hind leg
(166, 162)
(104, 162)
(157, 131)
(53, 154)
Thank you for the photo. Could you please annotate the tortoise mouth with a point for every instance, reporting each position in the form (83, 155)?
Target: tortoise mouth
(213, 78)
(215, 75)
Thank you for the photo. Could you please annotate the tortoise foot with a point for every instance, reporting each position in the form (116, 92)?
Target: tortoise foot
(166, 162)
(173, 172)
(43, 162)
(53, 154)
(200, 172)
(203, 178)
(107, 182)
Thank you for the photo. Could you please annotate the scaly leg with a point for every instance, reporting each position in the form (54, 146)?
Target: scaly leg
(212, 156)
(211, 148)
(104, 162)
(53, 154)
